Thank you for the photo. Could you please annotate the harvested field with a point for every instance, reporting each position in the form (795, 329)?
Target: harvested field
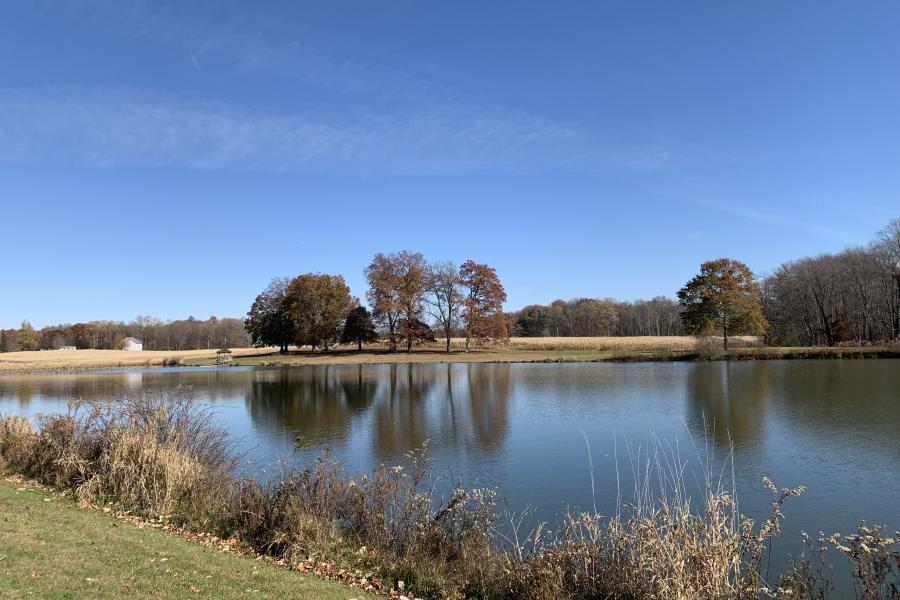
(520, 350)
(95, 359)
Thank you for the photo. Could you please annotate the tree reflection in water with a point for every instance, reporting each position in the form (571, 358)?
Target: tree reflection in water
(727, 403)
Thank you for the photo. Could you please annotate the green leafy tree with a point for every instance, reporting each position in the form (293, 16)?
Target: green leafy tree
(3, 341)
(27, 338)
(533, 321)
(316, 306)
(359, 328)
(267, 321)
(724, 297)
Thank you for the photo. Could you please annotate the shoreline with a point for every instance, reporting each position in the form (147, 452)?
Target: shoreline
(245, 358)
(123, 543)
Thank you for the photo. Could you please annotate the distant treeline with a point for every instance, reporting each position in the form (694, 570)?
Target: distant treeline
(598, 317)
(852, 297)
(831, 299)
(183, 334)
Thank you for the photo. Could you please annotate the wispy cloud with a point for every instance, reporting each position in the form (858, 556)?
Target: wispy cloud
(374, 113)
(116, 126)
(260, 42)
(770, 218)
(195, 61)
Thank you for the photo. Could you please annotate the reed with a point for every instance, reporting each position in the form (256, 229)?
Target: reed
(161, 458)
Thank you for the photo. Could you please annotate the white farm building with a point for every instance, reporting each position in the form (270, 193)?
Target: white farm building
(132, 344)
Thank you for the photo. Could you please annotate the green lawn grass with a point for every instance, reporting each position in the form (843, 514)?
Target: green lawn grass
(49, 548)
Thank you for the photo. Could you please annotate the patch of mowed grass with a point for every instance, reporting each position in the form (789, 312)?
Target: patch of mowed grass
(51, 549)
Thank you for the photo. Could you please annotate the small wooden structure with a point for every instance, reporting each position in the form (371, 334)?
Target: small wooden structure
(224, 356)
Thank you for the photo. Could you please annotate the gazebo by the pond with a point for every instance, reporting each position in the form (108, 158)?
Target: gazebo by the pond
(224, 356)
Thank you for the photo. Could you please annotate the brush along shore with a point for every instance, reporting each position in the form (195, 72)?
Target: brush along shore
(160, 458)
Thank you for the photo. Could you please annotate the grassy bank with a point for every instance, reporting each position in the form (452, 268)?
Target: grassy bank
(51, 549)
(161, 458)
(516, 350)
(339, 356)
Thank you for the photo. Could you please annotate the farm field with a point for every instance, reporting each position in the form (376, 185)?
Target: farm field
(99, 359)
(544, 349)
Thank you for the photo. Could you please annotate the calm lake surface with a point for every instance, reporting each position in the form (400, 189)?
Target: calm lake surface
(833, 426)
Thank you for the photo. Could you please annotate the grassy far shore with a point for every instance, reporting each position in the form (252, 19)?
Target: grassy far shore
(51, 549)
(548, 356)
(518, 350)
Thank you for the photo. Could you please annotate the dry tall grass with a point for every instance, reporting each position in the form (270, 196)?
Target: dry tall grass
(161, 458)
(156, 456)
(88, 359)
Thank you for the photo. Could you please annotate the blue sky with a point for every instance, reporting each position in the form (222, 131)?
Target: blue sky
(169, 158)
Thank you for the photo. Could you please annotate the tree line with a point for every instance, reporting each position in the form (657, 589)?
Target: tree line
(156, 334)
(404, 290)
(592, 317)
(830, 299)
(852, 297)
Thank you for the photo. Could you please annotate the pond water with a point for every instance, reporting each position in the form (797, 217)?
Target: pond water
(525, 429)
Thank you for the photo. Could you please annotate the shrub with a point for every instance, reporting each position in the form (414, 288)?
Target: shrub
(156, 456)
(17, 438)
(161, 458)
(394, 513)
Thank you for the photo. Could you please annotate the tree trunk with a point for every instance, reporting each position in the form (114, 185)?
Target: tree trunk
(359, 341)
(725, 338)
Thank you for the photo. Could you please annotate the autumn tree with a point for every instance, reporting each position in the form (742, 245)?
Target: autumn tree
(267, 322)
(383, 278)
(416, 331)
(396, 289)
(27, 337)
(53, 337)
(358, 327)
(411, 267)
(444, 297)
(724, 297)
(483, 298)
(316, 305)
